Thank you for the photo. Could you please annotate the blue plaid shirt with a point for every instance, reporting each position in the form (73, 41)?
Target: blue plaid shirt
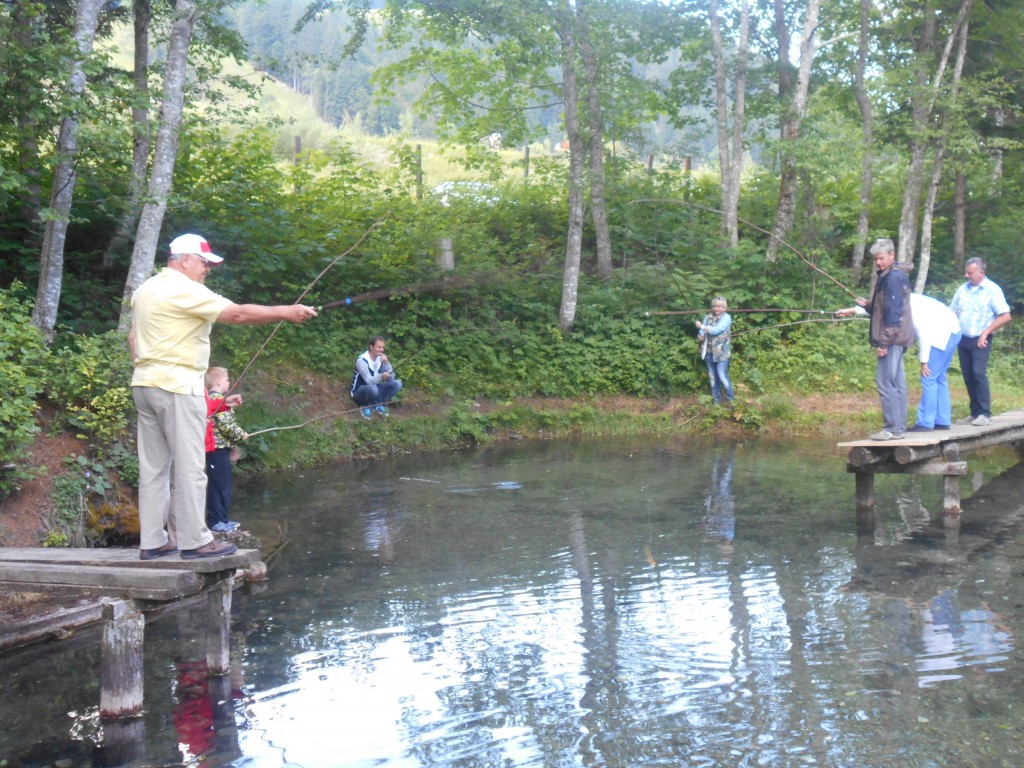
(977, 306)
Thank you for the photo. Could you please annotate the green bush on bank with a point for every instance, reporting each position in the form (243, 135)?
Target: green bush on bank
(23, 359)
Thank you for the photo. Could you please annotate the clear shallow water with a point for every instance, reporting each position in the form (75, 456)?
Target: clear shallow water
(606, 603)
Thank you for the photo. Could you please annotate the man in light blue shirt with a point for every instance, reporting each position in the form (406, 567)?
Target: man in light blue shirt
(980, 306)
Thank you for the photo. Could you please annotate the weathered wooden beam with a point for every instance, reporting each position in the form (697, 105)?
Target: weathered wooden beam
(865, 492)
(145, 584)
(218, 625)
(935, 467)
(908, 454)
(951, 490)
(125, 558)
(862, 456)
(121, 680)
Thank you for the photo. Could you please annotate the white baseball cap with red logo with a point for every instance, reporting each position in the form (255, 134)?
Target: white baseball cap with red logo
(194, 244)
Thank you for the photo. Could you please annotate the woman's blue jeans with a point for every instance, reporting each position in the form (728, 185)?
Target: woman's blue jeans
(718, 373)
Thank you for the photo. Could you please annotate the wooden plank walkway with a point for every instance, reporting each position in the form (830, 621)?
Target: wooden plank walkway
(127, 588)
(928, 453)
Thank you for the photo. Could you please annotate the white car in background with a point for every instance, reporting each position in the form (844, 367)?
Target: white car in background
(448, 192)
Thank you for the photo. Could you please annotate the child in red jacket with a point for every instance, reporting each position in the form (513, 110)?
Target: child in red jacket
(222, 432)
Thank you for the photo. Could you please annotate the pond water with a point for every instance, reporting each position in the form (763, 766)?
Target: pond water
(602, 604)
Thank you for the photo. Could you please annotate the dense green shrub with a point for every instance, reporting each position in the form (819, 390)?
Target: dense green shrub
(90, 382)
(23, 358)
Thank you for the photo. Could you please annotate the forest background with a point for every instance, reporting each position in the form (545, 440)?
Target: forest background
(532, 200)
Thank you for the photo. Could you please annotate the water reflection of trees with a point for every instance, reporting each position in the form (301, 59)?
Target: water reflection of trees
(660, 646)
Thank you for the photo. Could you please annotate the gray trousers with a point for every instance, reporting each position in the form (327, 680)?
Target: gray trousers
(892, 390)
(172, 468)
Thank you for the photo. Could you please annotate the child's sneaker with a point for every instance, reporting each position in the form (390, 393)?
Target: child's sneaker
(223, 527)
(382, 410)
(367, 413)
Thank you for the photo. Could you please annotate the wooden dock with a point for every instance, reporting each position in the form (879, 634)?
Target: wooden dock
(938, 453)
(126, 590)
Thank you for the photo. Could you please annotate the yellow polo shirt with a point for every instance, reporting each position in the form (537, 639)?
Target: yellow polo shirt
(173, 316)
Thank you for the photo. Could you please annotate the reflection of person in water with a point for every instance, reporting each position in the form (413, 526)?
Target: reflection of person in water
(953, 638)
(719, 506)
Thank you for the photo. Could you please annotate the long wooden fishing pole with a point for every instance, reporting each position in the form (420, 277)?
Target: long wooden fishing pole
(307, 289)
(795, 250)
(433, 286)
(765, 310)
(796, 322)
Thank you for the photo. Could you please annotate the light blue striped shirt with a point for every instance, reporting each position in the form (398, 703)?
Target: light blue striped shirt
(977, 306)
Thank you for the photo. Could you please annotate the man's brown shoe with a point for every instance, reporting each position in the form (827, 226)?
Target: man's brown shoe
(153, 554)
(213, 549)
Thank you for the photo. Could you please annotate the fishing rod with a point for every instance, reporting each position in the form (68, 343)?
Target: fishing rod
(765, 310)
(796, 322)
(302, 295)
(434, 286)
(775, 237)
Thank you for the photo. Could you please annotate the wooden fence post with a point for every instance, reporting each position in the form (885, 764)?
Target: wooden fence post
(121, 681)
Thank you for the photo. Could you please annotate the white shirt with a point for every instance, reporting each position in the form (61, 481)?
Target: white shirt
(934, 323)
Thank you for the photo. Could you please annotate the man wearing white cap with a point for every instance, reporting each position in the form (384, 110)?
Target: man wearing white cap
(174, 313)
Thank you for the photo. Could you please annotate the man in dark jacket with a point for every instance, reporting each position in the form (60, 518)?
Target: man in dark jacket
(891, 332)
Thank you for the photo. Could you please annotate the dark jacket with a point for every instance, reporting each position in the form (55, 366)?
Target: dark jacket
(891, 322)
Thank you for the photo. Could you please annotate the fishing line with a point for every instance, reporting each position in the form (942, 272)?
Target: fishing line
(360, 407)
(796, 322)
(434, 286)
(795, 250)
(306, 290)
(737, 311)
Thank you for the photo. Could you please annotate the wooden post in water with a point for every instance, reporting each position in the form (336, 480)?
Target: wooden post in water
(218, 624)
(865, 491)
(121, 682)
(951, 488)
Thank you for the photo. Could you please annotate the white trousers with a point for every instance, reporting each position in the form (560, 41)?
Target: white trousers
(172, 468)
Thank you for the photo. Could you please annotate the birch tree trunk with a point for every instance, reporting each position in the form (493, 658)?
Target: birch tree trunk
(867, 132)
(574, 238)
(140, 136)
(959, 220)
(51, 268)
(933, 189)
(927, 220)
(923, 102)
(599, 211)
(794, 110)
(28, 130)
(730, 142)
(162, 174)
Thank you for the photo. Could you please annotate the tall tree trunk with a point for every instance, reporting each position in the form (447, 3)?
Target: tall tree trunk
(595, 118)
(933, 190)
(574, 238)
(162, 175)
(867, 133)
(927, 220)
(28, 131)
(51, 269)
(140, 137)
(998, 153)
(794, 108)
(730, 142)
(922, 110)
(959, 220)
